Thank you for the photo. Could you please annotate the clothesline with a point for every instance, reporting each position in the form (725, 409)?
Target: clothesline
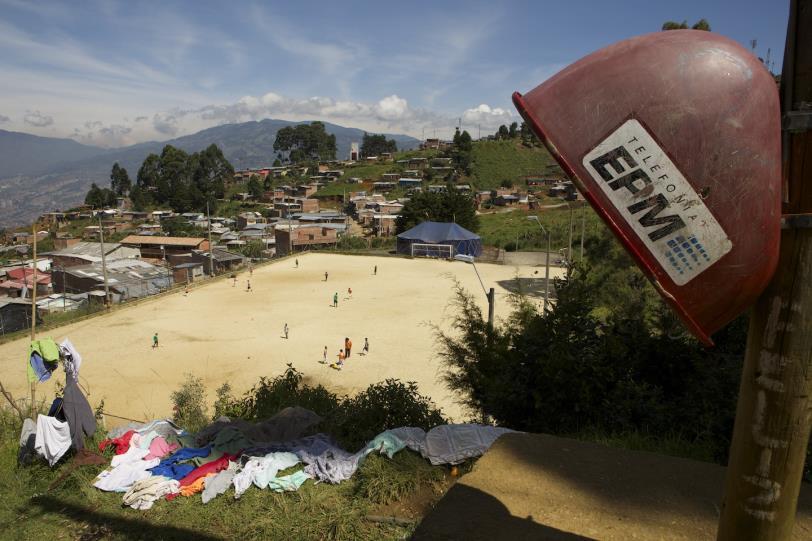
(120, 417)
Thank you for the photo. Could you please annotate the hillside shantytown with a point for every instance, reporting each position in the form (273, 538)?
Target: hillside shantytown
(306, 271)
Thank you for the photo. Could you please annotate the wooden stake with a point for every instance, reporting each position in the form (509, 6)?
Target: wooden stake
(33, 314)
(775, 410)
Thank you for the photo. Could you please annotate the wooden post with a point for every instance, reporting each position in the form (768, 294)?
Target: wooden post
(33, 314)
(775, 409)
(104, 264)
(211, 248)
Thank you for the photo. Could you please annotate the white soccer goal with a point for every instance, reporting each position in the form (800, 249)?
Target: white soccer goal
(433, 250)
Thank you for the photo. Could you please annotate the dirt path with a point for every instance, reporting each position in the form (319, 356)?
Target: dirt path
(222, 333)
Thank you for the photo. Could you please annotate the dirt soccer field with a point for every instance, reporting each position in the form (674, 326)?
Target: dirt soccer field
(222, 333)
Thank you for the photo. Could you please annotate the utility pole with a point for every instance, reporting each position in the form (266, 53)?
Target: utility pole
(64, 292)
(583, 227)
(33, 314)
(569, 243)
(772, 426)
(211, 249)
(104, 265)
(546, 262)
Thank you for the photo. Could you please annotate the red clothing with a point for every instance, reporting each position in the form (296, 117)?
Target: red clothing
(121, 444)
(200, 472)
(212, 467)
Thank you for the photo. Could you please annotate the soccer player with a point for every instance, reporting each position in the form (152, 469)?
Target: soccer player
(340, 359)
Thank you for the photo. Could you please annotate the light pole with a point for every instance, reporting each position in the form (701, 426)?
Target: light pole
(546, 262)
(569, 242)
(583, 228)
(488, 292)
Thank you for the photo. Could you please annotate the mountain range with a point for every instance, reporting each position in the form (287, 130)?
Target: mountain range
(41, 174)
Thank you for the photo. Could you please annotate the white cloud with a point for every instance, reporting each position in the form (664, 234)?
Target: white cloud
(484, 115)
(97, 133)
(392, 107)
(37, 119)
(4, 118)
(165, 123)
(391, 113)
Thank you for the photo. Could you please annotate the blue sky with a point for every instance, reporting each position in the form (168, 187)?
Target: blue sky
(113, 73)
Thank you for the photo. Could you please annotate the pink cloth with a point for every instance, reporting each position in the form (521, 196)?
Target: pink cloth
(159, 448)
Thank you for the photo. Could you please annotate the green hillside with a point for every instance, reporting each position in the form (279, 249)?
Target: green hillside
(495, 161)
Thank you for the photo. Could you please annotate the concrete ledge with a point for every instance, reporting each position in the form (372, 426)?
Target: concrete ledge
(535, 486)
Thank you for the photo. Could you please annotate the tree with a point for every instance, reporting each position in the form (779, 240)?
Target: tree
(375, 145)
(93, 196)
(305, 142)
(702, 24)
(465, 143)
(210, 172)
(254, 187)
(183, 181)
(513, 130)
(672, 25)
(449, 206)
(120, 181)
(507, 183)
(277, 162)
(587, 363)
(253, 249)
(529, 138)
(149, 172)
(100, 197)
(267, 183)
(138, 198)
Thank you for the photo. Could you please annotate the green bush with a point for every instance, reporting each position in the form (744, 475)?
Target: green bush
(270, 396)
(353, 421)
(190, 404)
(383, 405)
(609, 357)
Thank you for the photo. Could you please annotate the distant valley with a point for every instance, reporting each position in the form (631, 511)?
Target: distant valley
(40, 174)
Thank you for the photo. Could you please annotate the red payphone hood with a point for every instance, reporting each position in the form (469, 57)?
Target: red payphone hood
(674, 139)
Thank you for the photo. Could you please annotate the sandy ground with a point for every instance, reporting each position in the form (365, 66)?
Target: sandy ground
(222, 333)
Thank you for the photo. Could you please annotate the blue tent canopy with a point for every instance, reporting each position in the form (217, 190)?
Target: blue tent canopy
(463, 241)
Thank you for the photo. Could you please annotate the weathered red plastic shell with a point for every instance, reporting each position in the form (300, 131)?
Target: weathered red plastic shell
(713, 109)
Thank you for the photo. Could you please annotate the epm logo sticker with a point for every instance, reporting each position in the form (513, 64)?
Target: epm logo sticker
(654, 198)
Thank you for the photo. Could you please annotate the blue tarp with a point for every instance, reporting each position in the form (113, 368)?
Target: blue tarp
(464, 241)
